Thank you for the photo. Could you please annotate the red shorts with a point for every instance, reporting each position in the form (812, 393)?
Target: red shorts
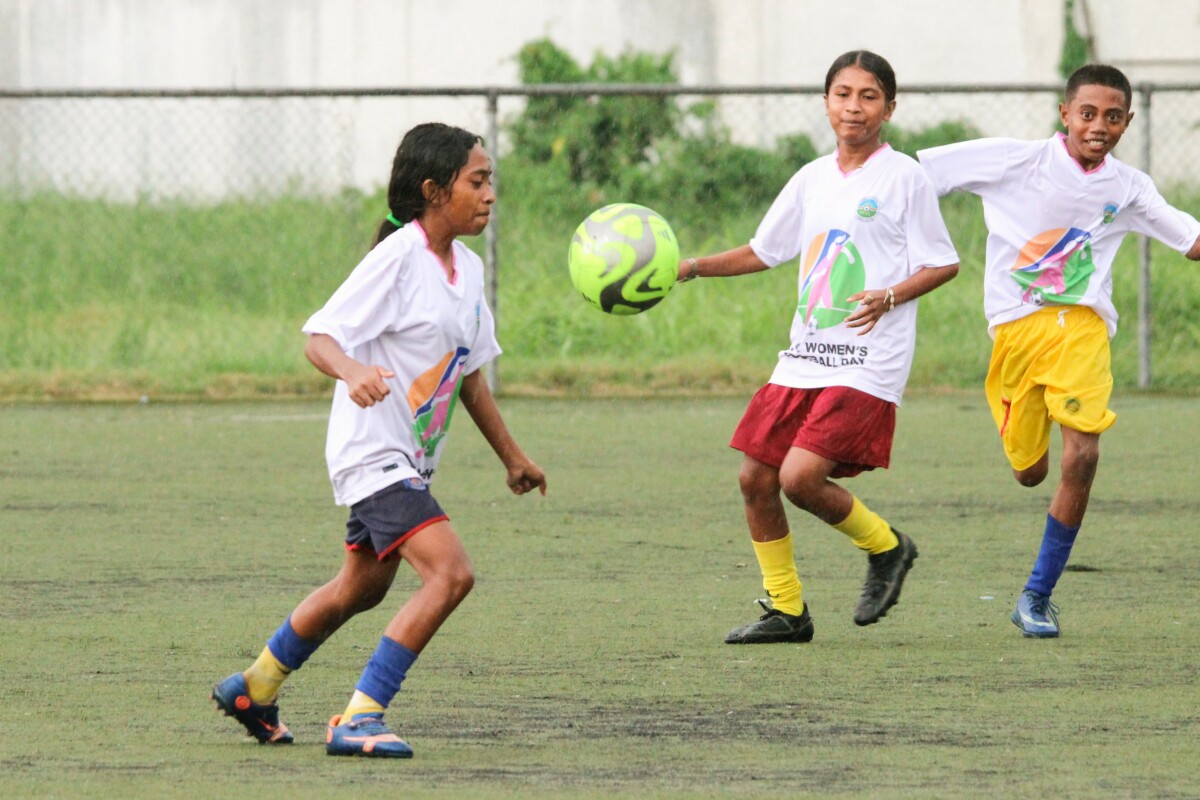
(841, 424)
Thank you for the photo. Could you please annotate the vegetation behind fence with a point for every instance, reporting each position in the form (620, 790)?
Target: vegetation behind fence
(172, 244)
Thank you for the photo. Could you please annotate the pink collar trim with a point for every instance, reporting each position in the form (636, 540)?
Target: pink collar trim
(882, 147)
(1062, 137)
(453, 279)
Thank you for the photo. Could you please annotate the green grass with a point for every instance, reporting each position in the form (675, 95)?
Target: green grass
(105, 301)
(150, 550)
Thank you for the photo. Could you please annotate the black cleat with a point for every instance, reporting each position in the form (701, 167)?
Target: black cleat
(774, 626)
(885, 576)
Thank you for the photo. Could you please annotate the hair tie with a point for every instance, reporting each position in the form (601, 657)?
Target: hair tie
(392, 219)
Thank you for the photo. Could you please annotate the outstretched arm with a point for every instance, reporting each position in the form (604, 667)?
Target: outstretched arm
(523, 475)
(366, 383)
(738, 261)
(1194, 253)
(874, 303)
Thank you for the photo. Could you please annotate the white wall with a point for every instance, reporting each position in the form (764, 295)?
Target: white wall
(357, 43)
(184, 44)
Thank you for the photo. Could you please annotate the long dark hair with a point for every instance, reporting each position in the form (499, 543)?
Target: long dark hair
(430, 151)
(873, 63)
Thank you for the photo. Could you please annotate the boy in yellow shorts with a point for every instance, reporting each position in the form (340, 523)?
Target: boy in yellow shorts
(1057, 210)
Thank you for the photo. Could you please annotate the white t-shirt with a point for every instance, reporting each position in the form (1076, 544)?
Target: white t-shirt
(398, 310)
(1053, 229)
(869, 229)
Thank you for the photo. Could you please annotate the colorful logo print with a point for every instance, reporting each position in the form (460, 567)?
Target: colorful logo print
(1055, 266)
(432, 398)
(868, 207)
(1110, 213)
(831, 271)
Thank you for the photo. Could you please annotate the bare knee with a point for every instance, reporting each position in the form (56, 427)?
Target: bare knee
(1030, 477)
(1034, 475)
(801, 491)
(463, 581)
(759, 484)
(803, 480)
(454, 580)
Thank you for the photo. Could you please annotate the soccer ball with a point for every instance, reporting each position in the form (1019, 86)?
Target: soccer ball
(624, 258)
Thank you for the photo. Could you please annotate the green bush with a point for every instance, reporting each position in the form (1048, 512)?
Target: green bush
(593, 138)
(617, 148)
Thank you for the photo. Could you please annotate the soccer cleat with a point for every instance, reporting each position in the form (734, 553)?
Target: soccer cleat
(885, 576)
(364, 735)
(774, 626)
(1035, 615)
(260, 721)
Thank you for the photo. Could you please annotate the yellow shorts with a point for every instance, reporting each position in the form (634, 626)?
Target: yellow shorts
(1052, 365)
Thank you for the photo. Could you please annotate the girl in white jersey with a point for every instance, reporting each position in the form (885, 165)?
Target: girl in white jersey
(866, 224)
(405, 337)
(1057, 210)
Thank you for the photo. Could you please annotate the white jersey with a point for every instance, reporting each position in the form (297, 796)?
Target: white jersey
(398, 310)
(1053, 229)
(868, 229)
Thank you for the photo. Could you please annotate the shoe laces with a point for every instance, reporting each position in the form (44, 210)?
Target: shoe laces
(368, 724)
(766, 606)
(1041, 604)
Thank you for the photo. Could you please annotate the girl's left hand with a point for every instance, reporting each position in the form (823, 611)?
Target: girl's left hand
(525, 477)
(872, 305)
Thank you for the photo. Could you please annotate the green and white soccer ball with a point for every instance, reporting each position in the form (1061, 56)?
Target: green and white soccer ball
(624, 258)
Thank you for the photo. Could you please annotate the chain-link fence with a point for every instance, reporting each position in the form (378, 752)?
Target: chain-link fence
(149, 149)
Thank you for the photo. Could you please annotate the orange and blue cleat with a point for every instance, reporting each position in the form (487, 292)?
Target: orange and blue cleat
(364, 735)
(261, 721)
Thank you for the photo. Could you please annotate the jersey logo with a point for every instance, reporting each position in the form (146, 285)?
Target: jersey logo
(868, 207)
(831, 271)
(1110, 213)
(432, 398)
(1055, 267)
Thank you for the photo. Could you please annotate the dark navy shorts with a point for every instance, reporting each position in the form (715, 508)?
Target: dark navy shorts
(381, 522)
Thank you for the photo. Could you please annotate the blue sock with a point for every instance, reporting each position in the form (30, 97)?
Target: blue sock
(288, 648)
(1057, 542)
(385, 671)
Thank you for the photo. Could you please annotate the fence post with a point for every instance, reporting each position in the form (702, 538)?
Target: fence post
(1145, 325)
(492, 232)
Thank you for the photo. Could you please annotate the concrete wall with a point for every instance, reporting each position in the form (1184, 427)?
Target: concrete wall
(212, 149)
(360, 43)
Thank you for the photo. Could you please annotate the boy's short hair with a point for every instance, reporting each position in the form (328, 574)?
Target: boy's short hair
(1099, 75)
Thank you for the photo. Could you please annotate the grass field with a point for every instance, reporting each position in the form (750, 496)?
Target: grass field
(181, 302)
(149, 550)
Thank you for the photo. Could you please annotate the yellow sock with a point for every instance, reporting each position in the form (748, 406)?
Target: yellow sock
(778, 567)
(868, 530)
(360, 704)
(264, 677)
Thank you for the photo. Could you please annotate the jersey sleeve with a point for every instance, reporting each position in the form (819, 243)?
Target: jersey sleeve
(929, 242)
(1156, 218)
(972, 166)
(365, 304)
(779, 235)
